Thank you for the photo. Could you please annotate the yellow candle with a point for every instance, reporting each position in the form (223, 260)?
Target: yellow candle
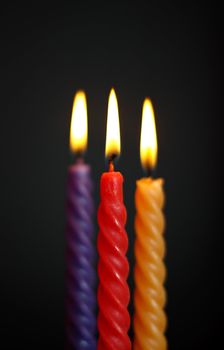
(149, 274)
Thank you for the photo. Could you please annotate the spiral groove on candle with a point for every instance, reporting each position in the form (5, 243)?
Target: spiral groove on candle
(113, 268)
(149, 296)
(80, 258)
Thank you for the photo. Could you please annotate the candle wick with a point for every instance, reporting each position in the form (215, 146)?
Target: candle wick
(150, 172)
(111, 166)
(111, 159)
(79, 160)
(77, 157)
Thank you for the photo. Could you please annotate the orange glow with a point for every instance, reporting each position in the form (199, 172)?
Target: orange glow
(148, 143)
(79, 127)
(113, 143)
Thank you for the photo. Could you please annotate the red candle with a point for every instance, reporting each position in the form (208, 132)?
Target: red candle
(113, 268)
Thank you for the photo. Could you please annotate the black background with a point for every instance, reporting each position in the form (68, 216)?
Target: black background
(168, 52)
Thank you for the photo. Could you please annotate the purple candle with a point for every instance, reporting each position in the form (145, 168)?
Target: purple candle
(80, 252)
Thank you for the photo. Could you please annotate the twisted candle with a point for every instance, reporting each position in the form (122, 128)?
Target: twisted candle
(113, 268)
(149, 296)
(80, 274)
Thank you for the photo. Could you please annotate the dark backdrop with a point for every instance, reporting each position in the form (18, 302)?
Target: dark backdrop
(168, 52)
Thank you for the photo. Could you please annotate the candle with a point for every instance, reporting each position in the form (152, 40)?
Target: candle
(149, 273)
(80, 274)
(113, 268)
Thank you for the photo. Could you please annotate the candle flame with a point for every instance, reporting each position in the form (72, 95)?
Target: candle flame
(148, 142)
(113, 143)
(79, 127)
